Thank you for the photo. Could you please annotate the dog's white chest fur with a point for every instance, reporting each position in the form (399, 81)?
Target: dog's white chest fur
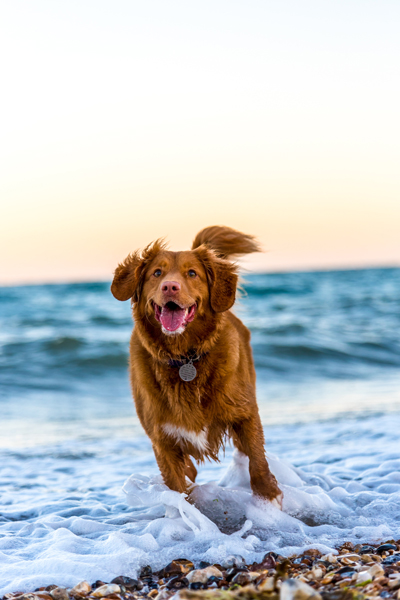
(198, 440)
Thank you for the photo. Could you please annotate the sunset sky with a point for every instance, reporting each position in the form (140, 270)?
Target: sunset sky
(124, 121)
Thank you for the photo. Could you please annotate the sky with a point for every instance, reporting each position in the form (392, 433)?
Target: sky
(124, 121)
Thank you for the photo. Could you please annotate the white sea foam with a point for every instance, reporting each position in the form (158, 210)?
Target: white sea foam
(64, 516)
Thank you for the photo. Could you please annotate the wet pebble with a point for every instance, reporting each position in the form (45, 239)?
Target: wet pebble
(145, 572)
(363, 577)
(366, 550)
(345, 570)
(59, 593)
(180, 566)
(106, 590)
(376, 570)
(128, 582)
(196, 585)
(385, 548)
(394, 581)
(231, 573)
(348, 546)
(98, 583)
(391, 559)
(267, 584)
(293, 589)
(203, 575)
(330, 558)
(268, 562)
(27, 596)
(177, 582)
(234, 561)
(349, 559)
(81, 589)
(245, 577)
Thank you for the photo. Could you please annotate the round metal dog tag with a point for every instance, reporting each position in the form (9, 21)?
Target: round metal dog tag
(188, 372)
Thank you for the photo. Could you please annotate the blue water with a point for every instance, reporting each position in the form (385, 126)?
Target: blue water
(327, 352)
(315, 336)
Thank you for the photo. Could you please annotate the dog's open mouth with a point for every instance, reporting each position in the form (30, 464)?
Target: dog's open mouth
(174, 317)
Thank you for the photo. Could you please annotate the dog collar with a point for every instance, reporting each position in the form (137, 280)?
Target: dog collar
(192, 357)
(187, 370)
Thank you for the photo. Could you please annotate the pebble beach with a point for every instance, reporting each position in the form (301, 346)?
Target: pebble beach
(353, 572)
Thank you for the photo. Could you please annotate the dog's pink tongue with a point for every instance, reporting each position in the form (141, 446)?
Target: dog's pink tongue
(172, 319)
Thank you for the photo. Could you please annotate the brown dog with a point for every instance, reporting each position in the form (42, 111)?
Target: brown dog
(181, 303)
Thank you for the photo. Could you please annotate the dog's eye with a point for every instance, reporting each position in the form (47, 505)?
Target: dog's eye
(192, 273)
(157, 273)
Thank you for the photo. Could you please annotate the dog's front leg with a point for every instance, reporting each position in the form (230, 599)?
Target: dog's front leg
(172, 464)
(249, 438)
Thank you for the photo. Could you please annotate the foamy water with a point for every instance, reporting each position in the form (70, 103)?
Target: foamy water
(81, 496)
(74, 511)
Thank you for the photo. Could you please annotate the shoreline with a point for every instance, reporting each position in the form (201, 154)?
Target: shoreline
(356, 572)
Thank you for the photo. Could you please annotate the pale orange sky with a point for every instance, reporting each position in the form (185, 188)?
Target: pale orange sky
(128, 121)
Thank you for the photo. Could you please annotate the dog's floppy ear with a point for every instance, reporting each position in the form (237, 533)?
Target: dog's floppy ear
(126, 278)
(222, 279)
(223, 288)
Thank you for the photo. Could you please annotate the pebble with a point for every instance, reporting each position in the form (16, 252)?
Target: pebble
(203, 575)
(376, 570)
(59, 593)
(394, 581)
(330, 558)
(128, 582)
(363, 577)
(245, 577)
(196, 585)
(293, 589)
(163, 594)
(349, 559)
(366, 550)
(317, 573)
(146, 572)
(268, 562)
(390, 560)
(106, 590)
(230, 573)
(234, 561)
(98, 583)
(177, 582)
(81, 589)
(385, 548)
(267, 585)
(181, 565)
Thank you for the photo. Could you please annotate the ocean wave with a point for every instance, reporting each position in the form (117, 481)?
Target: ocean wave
(63, 344)
(329, 324)
(273, 290)
(379, 354)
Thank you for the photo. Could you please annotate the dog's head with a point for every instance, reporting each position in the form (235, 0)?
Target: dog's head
(173, 291)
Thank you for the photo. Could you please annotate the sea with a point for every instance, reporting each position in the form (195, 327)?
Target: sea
(81, 496)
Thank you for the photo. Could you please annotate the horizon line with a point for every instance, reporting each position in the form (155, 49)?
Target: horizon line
(243, 270)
